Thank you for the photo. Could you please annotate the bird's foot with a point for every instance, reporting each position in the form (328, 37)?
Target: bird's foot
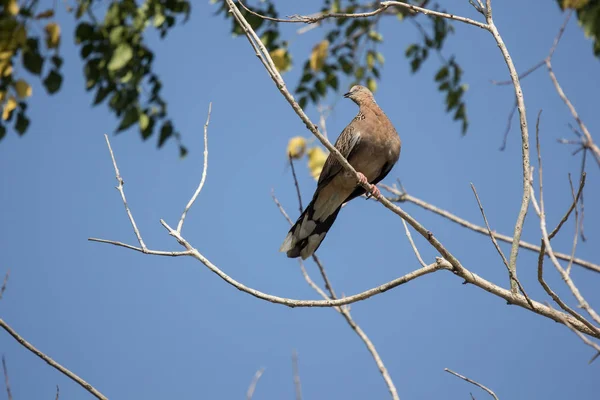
(374, 192)
(362, 179)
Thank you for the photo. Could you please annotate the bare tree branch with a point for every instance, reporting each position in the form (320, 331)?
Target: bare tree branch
(6, 381)
(514, 251)
(297, 385)
(120, 189)
(403, 196)
(585, 340)
(412, 243)
(93, 391)
(3, 288)
(204, 169)
(498, 249)
(473, 382)
(546, 240)
(383, 6)
(253, 383)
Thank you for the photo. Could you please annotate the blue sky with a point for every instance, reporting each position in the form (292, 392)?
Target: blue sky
(136, 326)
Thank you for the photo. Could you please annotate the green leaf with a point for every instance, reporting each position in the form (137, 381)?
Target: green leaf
(83, 32)
(441, 74)
(22, 123)
(321, 87)
(332, 81)
(53, 81)
(82, 8)
(131, 117)
(86, 50)
(159, 19)
(121, 56)
(116, 34)
(57, 61)
(302, 102)
(306, 77)
(101, 94)
(166, 131)
(2, 131)
(33, 62)
(415, 64)
(182, 152)
(412, 49)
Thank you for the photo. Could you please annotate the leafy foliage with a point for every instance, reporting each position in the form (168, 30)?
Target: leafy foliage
(17, 42)
(118, 64)
(588, 14)
(348, 52)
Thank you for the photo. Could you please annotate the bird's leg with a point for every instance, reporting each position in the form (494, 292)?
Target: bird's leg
(374, 192)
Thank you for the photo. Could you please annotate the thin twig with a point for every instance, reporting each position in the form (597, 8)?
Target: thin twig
(120, 189)
(548, 57)
(57, 392)
(280, 207)
(585, 340)
(508, 126)
(498, 249)
(204, 169)
(6, 381)
(402, 197)
(297, 385)
(3, 288)
(546, 240)
(146, 251)
(253, 383)
(412, 243)
(472, 382)
(589, 141)
(576, 236)
(93, 391)
(296, 184)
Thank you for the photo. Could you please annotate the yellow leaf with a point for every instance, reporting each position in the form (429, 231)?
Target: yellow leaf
(575, 4)
(10, 105)
(11, 7)
(372, 84)
(296, 147)
(281, 59)
(49, 13)
(12, 36)
(22, 88)
(52, 35)
(316, 160)
(318, 55)
(2, 95)
(5, 68)
(370, 60)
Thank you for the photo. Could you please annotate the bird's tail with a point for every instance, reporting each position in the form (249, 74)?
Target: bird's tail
(310, 229)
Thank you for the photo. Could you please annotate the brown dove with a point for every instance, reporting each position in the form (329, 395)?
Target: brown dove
(371, 145)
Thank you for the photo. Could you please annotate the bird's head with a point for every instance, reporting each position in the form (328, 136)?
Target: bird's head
(359, 94)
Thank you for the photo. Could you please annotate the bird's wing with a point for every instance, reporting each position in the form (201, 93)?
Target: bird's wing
(347, 143)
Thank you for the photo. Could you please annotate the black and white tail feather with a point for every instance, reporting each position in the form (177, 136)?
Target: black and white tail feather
(310, 229)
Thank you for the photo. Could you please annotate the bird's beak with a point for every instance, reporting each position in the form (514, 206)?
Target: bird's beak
(347, 95)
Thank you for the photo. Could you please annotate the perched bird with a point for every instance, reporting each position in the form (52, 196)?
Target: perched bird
(371, 145)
